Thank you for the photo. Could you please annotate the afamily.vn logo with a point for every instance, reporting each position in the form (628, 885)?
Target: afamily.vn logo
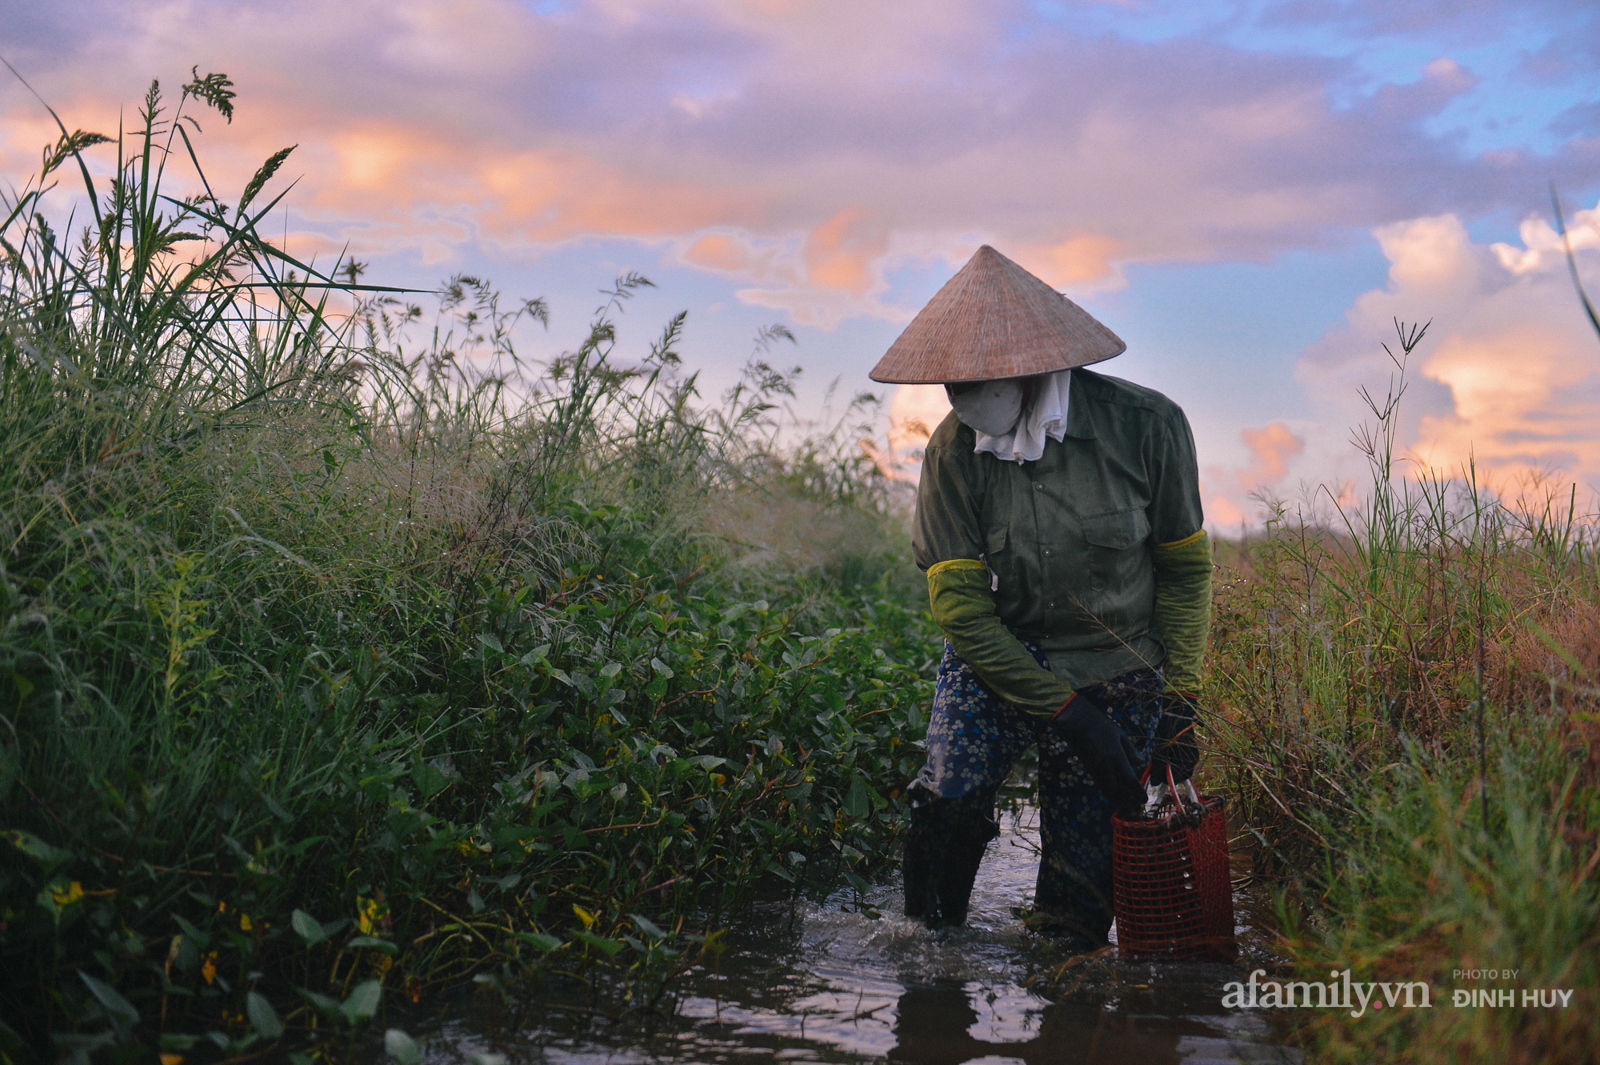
(1343, 993)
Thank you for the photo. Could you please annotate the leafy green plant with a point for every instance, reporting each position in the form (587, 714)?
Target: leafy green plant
(337, 666)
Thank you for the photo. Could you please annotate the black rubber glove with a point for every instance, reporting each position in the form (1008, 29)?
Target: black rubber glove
(1106, 753)
(1176, 743)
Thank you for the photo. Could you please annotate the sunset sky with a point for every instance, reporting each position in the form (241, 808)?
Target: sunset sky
(1247, 192)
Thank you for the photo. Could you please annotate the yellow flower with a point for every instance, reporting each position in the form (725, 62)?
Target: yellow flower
(66, 896)
(172, 1059)
(209, 969)
(244, 922)
(368, 913)
(584, 915)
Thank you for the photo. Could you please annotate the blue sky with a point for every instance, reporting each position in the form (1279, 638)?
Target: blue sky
(1246, 192)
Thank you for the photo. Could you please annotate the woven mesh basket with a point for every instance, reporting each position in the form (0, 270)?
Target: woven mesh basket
(1171, 887)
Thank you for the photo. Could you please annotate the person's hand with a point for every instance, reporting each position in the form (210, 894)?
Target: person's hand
(1105, 751)
(1176, 743)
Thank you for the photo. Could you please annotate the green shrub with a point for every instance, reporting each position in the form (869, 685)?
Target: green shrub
(332, 668)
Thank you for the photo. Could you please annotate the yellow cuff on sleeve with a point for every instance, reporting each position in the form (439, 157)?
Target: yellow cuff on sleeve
(1186, 541)
(954, 563)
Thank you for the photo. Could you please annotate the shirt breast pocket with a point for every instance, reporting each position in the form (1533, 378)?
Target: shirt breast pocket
(1118, 530)
(1117, 545)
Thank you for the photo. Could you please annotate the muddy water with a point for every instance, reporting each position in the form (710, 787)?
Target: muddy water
(829, 982)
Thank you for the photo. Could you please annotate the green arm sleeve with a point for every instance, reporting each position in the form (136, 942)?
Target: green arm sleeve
(963, 605)
(1183, 607)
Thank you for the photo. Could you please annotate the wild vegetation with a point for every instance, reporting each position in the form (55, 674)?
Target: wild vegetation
(346, 650)
(1407, 696)
(336, 665)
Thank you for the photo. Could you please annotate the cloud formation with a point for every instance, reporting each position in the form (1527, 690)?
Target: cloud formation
(1507, 378)
(814, 155)
(1228, 494)
(807, 148)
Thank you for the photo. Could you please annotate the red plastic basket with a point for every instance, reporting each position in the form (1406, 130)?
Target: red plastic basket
(1171, 888)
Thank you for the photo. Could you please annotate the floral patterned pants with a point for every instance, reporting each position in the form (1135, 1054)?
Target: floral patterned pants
(974, 737)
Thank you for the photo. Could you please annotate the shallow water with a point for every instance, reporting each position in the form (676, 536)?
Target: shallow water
(828, 982)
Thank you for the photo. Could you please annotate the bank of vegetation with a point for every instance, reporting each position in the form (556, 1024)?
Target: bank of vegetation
(347, 651)
(1408, 689)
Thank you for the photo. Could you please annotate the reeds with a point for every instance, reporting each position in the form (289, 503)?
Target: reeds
(1408, 696)
(335, 665)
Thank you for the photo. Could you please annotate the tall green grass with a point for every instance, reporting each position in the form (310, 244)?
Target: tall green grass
(1407, 688)
(344, 652)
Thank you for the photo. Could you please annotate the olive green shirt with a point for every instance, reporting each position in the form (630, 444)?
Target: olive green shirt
(1067, 539)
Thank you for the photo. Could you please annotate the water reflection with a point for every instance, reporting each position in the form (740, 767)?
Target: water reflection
(829, 982)
(943, 1026)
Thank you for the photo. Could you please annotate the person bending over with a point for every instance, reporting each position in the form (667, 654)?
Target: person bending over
(1059, 523)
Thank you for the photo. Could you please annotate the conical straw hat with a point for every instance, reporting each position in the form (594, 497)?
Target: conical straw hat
(994, 320)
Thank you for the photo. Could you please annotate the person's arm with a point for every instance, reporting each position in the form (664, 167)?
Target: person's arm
(1180, 553)
(1181, 556)
(963, 606)
(1183, 607)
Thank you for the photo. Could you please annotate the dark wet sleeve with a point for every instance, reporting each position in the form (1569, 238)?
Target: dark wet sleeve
(1174, 509)
(946, 525)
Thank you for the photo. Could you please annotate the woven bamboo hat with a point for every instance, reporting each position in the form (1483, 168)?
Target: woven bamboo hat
(994, 320)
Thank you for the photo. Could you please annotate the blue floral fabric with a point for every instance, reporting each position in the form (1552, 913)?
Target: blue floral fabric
(974, 737)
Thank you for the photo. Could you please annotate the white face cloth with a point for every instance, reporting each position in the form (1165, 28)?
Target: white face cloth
(1021, 439)
(989, 407)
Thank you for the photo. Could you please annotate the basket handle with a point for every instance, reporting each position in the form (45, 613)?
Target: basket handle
(1194, 796)
(1153, 792)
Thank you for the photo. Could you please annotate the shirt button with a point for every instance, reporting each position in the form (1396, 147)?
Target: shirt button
(1038, 487)
(1052, 606)
(1047, 550)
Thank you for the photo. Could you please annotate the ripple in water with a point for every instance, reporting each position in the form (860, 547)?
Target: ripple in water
(828, 982)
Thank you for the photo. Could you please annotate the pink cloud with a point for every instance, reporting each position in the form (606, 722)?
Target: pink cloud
(1508, 377)
(1229, 492)
(841, 251)
(1222, 512)
(840, 139)
(719, 251)
(1076, 261)
(915, 411)
(1273, 447)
